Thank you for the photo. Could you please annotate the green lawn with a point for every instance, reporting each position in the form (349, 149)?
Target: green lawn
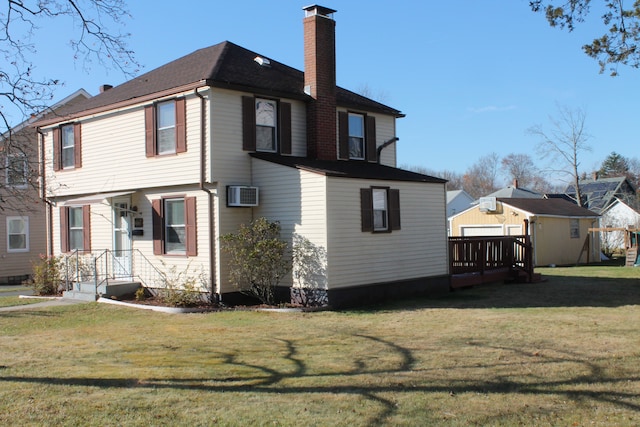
(563, 352)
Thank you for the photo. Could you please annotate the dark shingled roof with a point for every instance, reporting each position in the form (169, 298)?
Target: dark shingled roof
(348, 169)
(598, 194)
(224, 65)
(551, 207)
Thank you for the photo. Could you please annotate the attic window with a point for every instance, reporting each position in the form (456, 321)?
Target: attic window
(263, 62)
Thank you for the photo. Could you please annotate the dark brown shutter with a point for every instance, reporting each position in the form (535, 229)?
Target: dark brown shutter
(285, 128)
(57, 149)
(343, 135)
(150, 130)
(394, 209)
(366, 209)
(156, 207)
(181, 125)
(248, 123)
(77, 145)
(370, 138)
(86, 228)
(64, 229)
(190, 225)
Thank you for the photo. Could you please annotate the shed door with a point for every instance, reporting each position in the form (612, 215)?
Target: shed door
(481, 230)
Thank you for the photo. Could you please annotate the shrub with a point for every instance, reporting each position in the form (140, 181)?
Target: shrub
(47, 276)
(180, 289)
(257, 259)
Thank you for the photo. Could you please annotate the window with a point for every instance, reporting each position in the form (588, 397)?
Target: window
(165, 128)
(75, 229)
(174, 226)
(357, 137)
(67, 147)
(574, 229)
(380, 209)
(266, 125)
(17, 234)
(17, 169)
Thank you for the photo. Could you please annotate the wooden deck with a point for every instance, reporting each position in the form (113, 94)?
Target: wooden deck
(477, 260)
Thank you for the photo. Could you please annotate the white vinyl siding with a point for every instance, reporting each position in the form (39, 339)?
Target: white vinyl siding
(294, 198)
(419, 249)
(106, 169)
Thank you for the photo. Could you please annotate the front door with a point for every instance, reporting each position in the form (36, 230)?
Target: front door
(122, 237)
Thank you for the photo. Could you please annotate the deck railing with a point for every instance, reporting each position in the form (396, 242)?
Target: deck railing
(486, 253)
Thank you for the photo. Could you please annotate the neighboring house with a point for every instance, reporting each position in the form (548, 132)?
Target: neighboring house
(22, 210)
(458, 201)
(599, 193)
(515, 192)
(559, 229)
(617, 215)
(155, 170)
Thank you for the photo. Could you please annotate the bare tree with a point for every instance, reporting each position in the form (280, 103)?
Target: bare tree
(480, 178)
(520, 167)
(563, 144)
(24, 93)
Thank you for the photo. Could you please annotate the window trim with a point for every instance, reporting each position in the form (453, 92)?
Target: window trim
(283, 141)
(274, 127)
(151, 128)
(370, 147)
(58, 163)
(65, 237)
(361, 138)
(368, 213)
(25, 221)
(159, 226)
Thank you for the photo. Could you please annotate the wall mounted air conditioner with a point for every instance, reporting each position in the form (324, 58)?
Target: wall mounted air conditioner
(487, 204)
(242, 196)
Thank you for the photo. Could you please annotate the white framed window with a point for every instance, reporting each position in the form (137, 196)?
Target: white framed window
(166, 131)
(174, 226)
(380, 209)
(356, 136)
(76, 228)
(68, 150)
(266, 123)
(17, 234)
(17, 169)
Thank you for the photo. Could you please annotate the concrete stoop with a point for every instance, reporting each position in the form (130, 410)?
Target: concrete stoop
(86, 291)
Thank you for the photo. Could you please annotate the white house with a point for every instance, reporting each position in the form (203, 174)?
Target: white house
(458, 201)
(154, 171)
(621, 216)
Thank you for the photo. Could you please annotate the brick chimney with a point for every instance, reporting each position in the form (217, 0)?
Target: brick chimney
(320, 82)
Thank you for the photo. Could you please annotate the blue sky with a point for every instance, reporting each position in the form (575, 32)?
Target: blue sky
(471, 76)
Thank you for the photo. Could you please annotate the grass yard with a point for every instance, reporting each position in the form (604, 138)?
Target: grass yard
(565, 352)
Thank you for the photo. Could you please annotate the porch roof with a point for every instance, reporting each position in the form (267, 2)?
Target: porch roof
(93, 199)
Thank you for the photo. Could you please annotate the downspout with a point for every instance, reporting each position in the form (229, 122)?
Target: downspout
(385, 145)
(215, 296)
(48, 215)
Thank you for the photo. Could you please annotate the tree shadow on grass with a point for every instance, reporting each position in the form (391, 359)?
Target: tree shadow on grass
(374, 382)
(554, 291)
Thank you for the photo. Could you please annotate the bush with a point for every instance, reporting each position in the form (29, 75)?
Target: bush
(257, 259)
(180, 289)
(47, 276)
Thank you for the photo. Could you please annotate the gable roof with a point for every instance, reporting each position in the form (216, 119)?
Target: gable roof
(549, 207)
(348, 169)
(515, 192)
(453, 194)
(224, 65)
(599, 193)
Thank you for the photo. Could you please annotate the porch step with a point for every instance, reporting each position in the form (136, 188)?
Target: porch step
(86, 291)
